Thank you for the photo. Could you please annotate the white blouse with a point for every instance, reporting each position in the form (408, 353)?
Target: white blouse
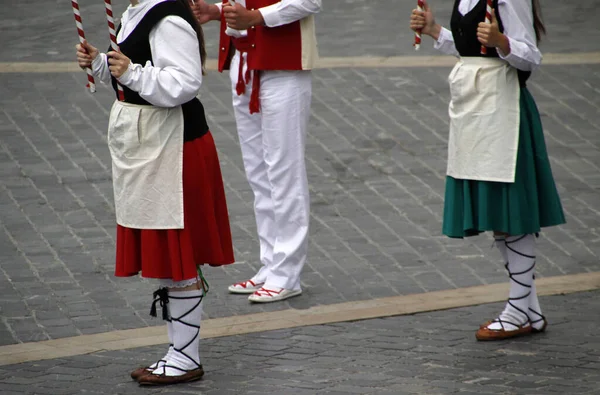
(517, 18)
(175, 75)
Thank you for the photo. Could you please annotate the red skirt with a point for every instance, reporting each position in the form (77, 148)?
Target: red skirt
(206, 237)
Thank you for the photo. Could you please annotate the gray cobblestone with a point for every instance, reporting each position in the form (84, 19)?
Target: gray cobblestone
(397, 355)
(376, 160)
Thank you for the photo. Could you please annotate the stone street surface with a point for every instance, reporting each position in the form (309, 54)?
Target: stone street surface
(424, 354)
(376, 160)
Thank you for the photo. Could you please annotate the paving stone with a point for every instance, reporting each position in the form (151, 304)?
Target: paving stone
(376, 162)
(375, 159)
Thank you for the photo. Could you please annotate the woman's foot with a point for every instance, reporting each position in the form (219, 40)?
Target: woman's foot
(163, 379)
(538, 321)
(499, 329)
(144, 370)
(510, 323)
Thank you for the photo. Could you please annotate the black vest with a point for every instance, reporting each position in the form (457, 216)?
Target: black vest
(137, 48)
(464, 31)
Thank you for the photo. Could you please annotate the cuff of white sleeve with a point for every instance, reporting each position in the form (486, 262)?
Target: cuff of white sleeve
(520, 56)
(271, 15)
(511, 46)
(128, 77)
(98, 63)
(445, 36)
(220, 7)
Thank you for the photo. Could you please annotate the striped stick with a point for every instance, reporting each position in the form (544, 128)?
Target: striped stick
(488, 19)
(91, 83)
(113, 40)
(417, 44)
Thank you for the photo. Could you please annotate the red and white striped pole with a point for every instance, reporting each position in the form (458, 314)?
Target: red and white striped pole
(91, 83)
(488, 19)
(113, 40)
(420, 7)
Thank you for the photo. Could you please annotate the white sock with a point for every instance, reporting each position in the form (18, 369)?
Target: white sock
(519, 252)
(161, 297)
(535, 311)
(186, 313)
(164, 359)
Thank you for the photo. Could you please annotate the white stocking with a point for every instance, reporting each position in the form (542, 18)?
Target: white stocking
(519, 252)
(161, 297)
(186, 313)
(535, 311)
(164, 359)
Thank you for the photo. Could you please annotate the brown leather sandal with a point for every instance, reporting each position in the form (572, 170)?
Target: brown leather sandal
(485, 334)
(141, 371)
(163, 379)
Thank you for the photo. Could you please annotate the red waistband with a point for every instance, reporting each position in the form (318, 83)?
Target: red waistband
(242, 44)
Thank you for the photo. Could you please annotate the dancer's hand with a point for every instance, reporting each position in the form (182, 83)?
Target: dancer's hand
(489, 34)
(117, 63)
(204, 12)
(424, 21)
(86, 53)
(239, 17)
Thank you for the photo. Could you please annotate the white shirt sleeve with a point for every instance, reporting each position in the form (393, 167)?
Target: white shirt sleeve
(175, 76)
(517, 18)
(100, 68)
(445, 43)
(288, 11)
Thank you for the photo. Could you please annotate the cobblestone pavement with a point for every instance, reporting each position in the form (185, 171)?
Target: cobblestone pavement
(46, 31)
(424, 354)
(376, 160)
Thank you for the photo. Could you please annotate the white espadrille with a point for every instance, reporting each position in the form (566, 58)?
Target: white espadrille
(264, 295)
(245, 287)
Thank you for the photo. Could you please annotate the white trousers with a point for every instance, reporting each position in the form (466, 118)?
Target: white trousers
(273, 143)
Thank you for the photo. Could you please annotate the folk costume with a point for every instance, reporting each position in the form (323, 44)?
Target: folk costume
(169, 197)
(271, 86)
(499, 177)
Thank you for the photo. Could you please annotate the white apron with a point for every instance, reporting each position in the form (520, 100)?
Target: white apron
(484, 120)
(146, 146)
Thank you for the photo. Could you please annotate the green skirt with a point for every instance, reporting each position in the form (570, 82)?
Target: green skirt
(522, 207)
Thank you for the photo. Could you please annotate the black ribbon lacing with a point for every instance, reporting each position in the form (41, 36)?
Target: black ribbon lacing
(512, 275)
(541, 317)
(181, 320)
(161, 296)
